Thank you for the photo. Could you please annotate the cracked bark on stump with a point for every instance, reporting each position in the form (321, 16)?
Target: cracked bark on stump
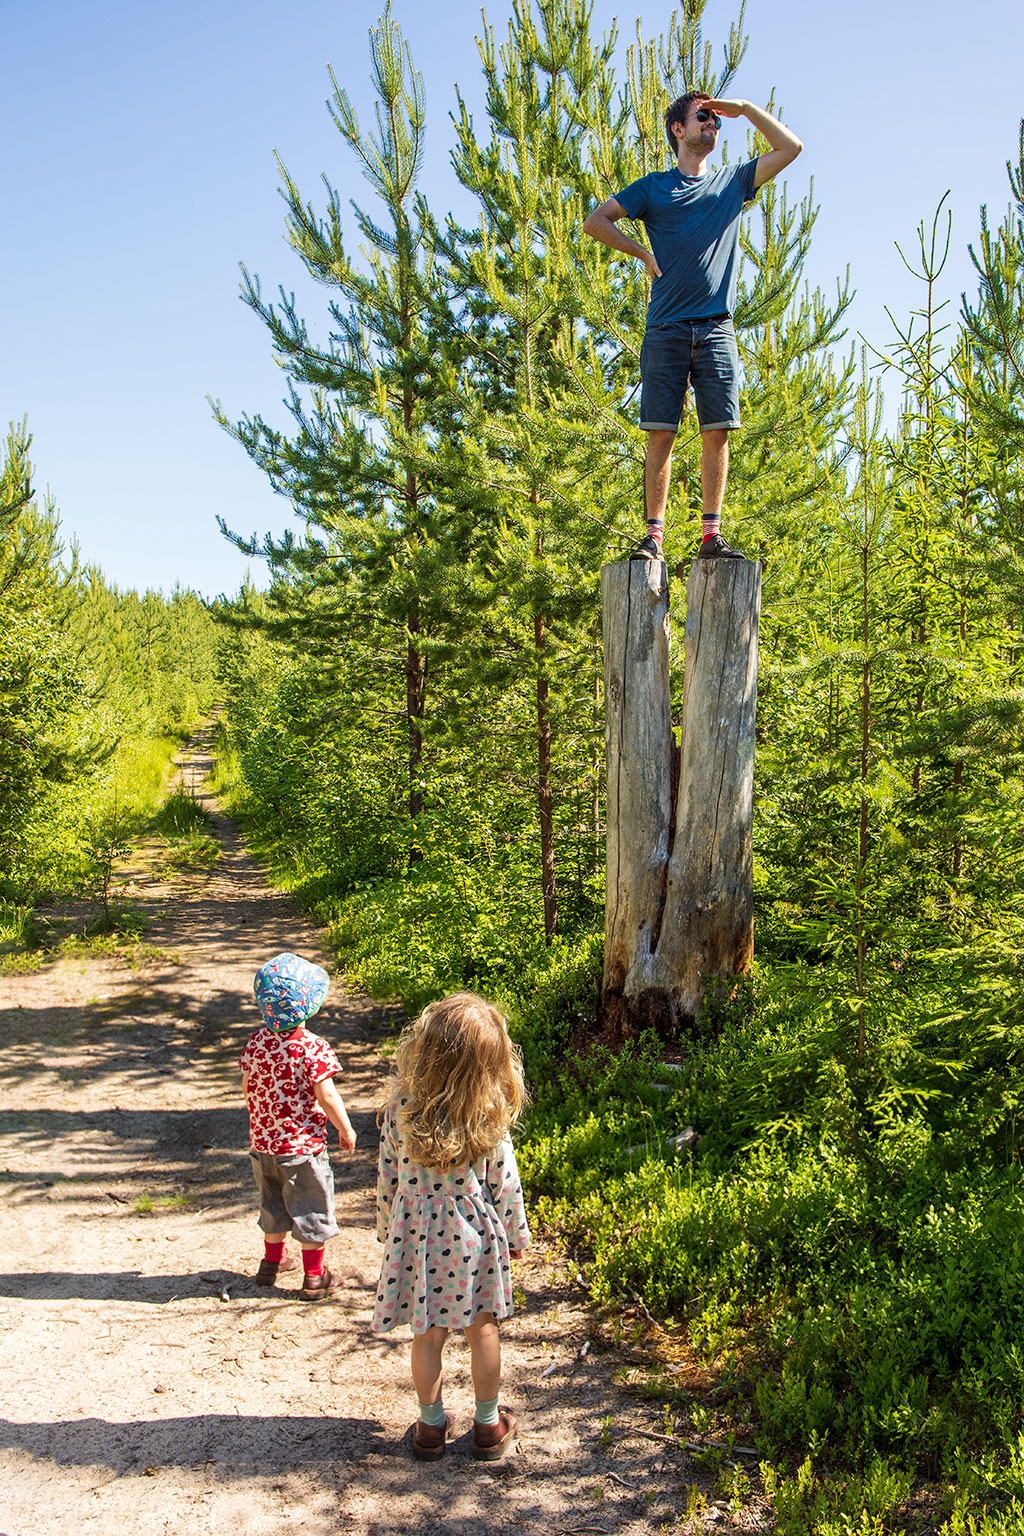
(679, 907)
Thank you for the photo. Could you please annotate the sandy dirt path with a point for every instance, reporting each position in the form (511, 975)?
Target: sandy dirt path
(147, 1384)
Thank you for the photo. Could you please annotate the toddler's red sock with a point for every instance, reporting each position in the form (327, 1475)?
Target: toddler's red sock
(312, 1261)
(274, 1252)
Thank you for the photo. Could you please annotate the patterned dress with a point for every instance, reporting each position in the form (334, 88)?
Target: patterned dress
(446, 1236)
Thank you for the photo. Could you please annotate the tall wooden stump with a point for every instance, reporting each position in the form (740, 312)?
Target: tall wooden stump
(638, 756)
(679, 911)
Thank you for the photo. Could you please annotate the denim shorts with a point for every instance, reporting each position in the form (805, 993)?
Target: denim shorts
(296, 1195)
(698, 352)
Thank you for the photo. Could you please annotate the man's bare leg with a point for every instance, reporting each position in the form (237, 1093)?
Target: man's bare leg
(657, 475)
(714, 471)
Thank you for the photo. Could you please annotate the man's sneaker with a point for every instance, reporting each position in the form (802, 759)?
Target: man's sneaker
(267, 1273)
(716, 548)
(647, 549)
(319, 1287)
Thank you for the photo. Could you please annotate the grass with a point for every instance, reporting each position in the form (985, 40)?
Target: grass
(191, 853)
(115, 933)
(17, 926)
(30, 938)
(127, 947)
(147, 1203)
(139, 782)
(225, 781)
(186, 831)
(181, 814)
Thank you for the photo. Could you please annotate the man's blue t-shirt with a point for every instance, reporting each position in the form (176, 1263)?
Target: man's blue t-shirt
(693, 224)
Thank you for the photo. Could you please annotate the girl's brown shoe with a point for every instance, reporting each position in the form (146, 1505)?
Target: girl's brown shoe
(428, 1440)
(491, 1441)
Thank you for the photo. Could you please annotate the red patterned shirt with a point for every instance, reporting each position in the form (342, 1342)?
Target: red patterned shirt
(284, 1116)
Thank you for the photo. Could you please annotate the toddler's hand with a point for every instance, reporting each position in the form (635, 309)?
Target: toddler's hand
(347, 1139)
(515, 1253)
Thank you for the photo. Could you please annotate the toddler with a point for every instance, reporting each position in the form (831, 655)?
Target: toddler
(450, 1208)
(287, 1079)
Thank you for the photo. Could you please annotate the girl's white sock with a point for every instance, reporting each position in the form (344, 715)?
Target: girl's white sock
(486, 1413)
(433, 1413)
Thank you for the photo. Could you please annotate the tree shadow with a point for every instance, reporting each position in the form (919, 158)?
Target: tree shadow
(202, 1151)
(135, 1285)
(277, 1443)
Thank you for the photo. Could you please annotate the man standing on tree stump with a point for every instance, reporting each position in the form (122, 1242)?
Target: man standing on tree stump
(692, 217)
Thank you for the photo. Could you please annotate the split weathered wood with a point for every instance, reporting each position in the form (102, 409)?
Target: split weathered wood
(638, 759)
(679, 910)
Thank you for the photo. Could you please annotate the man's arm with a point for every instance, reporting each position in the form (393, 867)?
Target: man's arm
(785, 146)
(330, 1101)
(601, 226)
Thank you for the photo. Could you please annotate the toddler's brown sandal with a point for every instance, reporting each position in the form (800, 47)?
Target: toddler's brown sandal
(319, 1287)
(267, 1273)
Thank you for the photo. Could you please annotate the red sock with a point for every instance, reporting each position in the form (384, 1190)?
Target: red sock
(312, 1261)
(274, 1252)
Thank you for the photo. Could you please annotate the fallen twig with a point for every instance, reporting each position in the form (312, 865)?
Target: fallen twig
(581, 1354)
(691, 1445)
(720, 1445)
(648, 1434)
(643, 1308)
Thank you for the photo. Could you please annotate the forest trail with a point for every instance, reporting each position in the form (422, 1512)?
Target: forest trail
(149, 1386)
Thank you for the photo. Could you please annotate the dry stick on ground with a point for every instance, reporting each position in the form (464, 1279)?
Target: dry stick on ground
(690, 1445)
(643, 1307)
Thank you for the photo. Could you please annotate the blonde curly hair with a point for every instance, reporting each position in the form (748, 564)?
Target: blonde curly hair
(458, 1081)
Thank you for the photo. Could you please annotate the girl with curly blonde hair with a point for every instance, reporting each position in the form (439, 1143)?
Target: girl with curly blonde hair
(450, 1209)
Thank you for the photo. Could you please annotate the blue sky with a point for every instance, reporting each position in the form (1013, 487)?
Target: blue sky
(138, 144)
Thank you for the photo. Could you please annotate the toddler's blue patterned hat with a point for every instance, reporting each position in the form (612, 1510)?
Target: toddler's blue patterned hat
(289, 990)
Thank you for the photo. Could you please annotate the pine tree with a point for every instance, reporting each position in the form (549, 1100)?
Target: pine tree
(369, 588)
(525, 450)
(41, 689)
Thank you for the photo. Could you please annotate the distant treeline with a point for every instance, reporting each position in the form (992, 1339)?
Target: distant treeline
(96, 686)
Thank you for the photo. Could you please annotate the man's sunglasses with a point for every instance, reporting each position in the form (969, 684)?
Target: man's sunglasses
(703, 116)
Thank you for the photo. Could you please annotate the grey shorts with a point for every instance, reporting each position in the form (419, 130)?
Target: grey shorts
(296, 1195)
(698, 352)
